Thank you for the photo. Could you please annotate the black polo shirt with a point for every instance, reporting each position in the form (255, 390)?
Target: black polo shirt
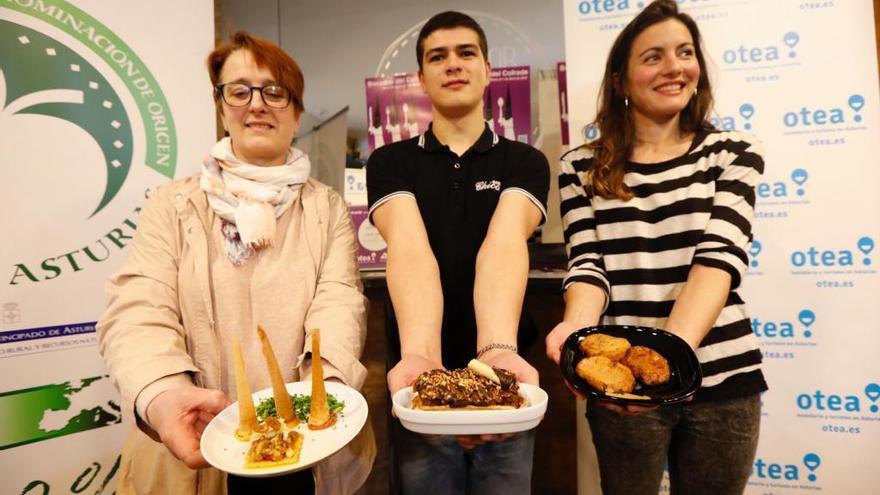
(457, 196)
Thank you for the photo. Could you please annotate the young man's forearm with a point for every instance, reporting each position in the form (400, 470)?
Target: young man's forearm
(502, 273)
(414, 284)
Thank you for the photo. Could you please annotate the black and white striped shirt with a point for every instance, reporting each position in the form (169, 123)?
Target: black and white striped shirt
(696, 208)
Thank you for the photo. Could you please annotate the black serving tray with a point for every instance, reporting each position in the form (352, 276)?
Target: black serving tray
(684, 368)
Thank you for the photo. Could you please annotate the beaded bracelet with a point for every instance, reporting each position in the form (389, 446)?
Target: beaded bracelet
(495, 345)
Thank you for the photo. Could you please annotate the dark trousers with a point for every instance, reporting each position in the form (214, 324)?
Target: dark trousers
(710, 447)
(300, 482)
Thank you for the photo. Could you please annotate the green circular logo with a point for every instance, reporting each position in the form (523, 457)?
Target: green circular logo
(80, 114)
(40, 76)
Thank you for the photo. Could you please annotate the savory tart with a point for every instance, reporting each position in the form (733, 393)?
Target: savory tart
(274, 441)
(278, 445)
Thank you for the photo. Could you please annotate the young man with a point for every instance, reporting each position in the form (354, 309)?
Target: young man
(456, 206)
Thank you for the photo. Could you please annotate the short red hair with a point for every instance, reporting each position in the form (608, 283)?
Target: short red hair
(267, 55)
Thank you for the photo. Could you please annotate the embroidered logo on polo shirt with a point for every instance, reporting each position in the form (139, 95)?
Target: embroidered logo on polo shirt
(483, 185)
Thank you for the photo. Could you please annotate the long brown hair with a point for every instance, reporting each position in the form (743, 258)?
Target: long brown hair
(617, 131)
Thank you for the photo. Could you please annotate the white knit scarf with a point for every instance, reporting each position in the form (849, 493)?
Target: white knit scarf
(249, 198)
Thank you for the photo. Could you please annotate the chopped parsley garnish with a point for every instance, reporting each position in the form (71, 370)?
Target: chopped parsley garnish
(302, 404)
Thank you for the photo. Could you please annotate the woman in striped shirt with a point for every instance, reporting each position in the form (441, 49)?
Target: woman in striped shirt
(657, 215)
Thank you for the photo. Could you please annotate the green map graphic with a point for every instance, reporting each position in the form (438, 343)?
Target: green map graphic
(41, 76)
(24, 411)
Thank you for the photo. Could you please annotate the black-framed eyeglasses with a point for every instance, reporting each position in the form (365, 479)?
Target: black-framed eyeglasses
(240, 94)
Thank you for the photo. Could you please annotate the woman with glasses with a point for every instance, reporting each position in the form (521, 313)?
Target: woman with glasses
(250, 240)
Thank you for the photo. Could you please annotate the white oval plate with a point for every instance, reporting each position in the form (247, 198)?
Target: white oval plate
(472, 422)
(224, 452)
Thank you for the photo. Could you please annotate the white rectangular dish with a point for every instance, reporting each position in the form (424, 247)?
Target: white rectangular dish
(472, 422)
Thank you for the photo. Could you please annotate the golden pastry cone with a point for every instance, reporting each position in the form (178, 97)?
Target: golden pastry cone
(319, 414)
(247, 422)
(283, 404)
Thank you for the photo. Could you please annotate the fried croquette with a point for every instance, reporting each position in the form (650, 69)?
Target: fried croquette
(600, 344)
(647, 365)
(605, 375)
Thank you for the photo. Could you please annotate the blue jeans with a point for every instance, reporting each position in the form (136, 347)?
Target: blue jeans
(437, 465)
(710, 447)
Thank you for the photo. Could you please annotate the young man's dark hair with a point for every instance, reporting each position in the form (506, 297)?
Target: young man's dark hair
(449, 20)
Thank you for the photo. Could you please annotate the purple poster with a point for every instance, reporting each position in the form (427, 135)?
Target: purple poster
(507, 104)
(397, 109)
(563, 102)
(372, 250)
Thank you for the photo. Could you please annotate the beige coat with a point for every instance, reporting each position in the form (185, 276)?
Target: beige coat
(159, 323)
